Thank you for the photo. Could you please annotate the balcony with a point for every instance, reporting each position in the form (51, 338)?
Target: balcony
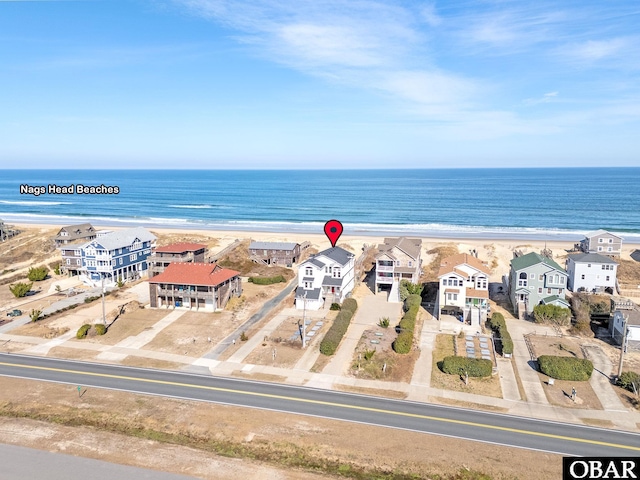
(387, 280)
(384, 268)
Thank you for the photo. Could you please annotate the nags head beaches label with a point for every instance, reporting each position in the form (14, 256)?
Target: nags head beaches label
(73, 189)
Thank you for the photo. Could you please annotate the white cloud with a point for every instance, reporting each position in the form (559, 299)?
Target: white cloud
(593, 50)
(546, 98)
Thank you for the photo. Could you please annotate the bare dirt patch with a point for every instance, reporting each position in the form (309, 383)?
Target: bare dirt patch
(437, 254)
(296, 442)
(191, 333)
(41, 329)
(265, 377)
(557, 346)
(560, 394)
(238, 259)
(489, 386)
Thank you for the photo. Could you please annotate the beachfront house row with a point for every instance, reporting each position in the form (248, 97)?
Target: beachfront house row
(397, 259)
(463, 288)
(591, 272)
(194, 286)
(603, 242)
(183, 252)
(120, 255)
(326, 276)
(272, 253)
(535, 279)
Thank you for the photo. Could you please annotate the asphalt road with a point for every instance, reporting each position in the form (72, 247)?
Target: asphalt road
(555, 437)
(19, 463)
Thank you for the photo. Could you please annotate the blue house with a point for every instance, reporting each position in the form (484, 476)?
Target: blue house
(119, 255)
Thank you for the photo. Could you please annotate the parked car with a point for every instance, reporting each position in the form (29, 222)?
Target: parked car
(14, 313)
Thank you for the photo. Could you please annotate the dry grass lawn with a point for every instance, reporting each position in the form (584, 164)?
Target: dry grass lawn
(191, 332)
(73, 353)
(129, 325)
(489, 386)
(135, 361)
(558, 346)
(41, 329)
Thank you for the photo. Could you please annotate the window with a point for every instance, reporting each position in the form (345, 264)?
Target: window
(136, 245)
(397, 263)
(336, 272)
(601, 240)
(556, 279)
(120, 261)
(308, 285)
(455, 296)
(588, 265)
(308, 271)
(541, 278)
(603, 267)
(410, 264)
(582, 277)
(264, 252)
(607, 277)
(609, 249)
(539, 289)
(611, 240)
(68, 261)
(532, 276)
(133, 257)
(561, 280)
(599, 249)
(548, 290)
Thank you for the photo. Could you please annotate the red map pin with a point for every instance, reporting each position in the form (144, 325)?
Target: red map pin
(333, 230)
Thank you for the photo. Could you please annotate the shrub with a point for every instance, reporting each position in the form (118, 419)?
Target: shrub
(267, 280)
(384, 322)
(582, 313)
(334, 306)
(566, 368)
(629, 381)
(349, 304)
(403, 342)
(35, 315)
(331, 340)
(552, 314)
(37, 274)
(82, 331)
(19, 290)
(100, 328)
(412, 300)
(368, 354)
(244, 337)
(56, 270)
(499, 325)
(474, 367)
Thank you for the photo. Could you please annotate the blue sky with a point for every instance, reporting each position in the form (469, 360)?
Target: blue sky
(318, 84)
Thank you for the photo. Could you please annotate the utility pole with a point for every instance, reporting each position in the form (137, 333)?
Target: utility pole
(104, 317)
(304, 321)
(623, 345)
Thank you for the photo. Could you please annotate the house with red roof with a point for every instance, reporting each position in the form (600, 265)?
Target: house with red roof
(184, 252)
(195, 286)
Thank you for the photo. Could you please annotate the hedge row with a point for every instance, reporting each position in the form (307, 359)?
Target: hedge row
(334, 335)
(498, 324)
(566, 368)
(474, 367)
(83, 330)
(267, 280)
(407, 324)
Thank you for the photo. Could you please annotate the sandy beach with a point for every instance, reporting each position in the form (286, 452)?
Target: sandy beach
(496, 252)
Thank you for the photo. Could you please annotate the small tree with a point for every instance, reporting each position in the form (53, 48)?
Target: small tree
(120, 283)
(407, 288)
(552, 314)
(35, 315)
(37, 274)
(57, 270)
(20, 289)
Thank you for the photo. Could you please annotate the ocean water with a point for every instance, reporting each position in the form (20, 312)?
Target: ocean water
(560, 203)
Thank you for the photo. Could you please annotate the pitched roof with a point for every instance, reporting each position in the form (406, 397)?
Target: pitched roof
(591, 258)
(449, 264)
(204, 274)
(553, 299)
(123, 238)
(531, 259)
(310, 294)
(410, 246)
(181, 247)
(273, 246)
(600, 232)
(79, 231)
(337, 254)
